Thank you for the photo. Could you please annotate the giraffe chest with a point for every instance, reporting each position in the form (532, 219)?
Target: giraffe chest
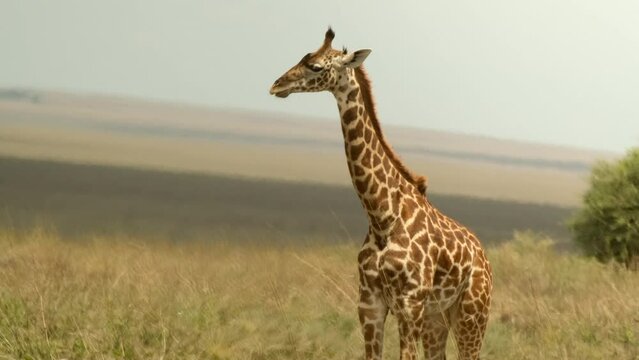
(410, 281)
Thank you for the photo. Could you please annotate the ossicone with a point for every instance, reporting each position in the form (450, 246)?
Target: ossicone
(328, 39)
(330, 34)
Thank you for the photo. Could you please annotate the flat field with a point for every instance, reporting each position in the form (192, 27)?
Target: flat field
(80, 200)
(126, 298)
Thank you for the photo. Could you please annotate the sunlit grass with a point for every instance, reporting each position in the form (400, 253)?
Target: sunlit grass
(121, 298)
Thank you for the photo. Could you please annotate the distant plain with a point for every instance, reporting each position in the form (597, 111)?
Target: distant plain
(117, 131)
(113, 165)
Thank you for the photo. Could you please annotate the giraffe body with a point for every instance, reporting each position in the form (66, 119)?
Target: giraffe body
(416, 263)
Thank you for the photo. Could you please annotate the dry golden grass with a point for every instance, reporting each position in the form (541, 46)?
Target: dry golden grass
(123, 298)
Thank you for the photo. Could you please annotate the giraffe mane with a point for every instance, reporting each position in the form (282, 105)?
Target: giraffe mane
(420, 182)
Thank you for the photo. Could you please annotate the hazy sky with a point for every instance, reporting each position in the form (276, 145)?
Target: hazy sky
(554, 71)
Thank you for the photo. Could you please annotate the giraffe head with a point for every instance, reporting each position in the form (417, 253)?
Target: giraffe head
(320, 70)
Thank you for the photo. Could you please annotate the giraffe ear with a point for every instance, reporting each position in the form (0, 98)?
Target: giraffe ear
(355, 59)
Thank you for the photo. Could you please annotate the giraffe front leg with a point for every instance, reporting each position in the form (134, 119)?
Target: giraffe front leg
(372, 316)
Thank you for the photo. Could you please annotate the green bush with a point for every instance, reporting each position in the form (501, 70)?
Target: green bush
(607, 227)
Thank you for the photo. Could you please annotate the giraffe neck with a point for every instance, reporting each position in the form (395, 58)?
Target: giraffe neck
(379, 179)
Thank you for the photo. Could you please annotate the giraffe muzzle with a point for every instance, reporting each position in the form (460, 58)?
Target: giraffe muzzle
(278, 90)
(282, 94)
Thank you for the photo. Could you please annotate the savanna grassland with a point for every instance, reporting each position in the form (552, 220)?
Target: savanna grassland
(126, 298)
(101, 262)
(125, 234)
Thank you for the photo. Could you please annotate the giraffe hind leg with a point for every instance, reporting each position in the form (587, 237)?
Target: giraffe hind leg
(471, 316)
(408, 339)
(434, 336)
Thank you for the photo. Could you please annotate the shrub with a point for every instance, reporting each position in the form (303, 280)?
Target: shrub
(607, 227)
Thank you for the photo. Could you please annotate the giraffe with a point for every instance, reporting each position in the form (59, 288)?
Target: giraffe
(423, 267)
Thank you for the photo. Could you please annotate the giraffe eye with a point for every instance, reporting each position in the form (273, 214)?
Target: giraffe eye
(316, 67)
